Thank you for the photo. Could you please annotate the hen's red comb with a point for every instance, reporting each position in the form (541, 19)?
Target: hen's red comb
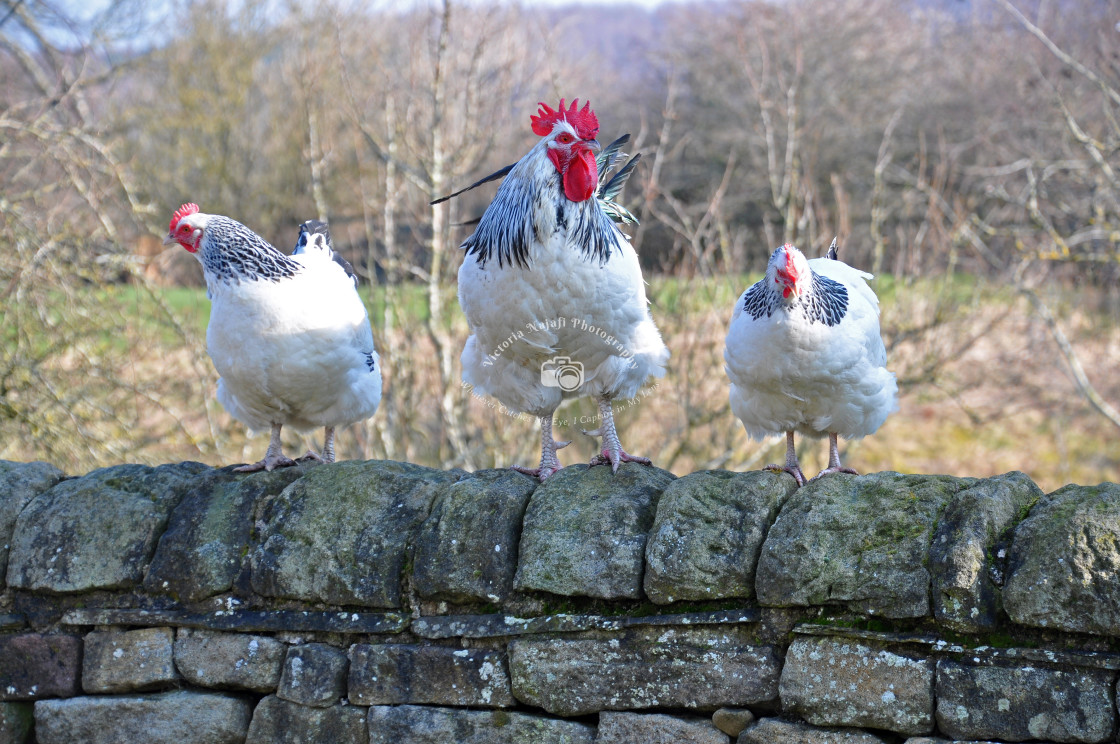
(180, 213)
(583, 119)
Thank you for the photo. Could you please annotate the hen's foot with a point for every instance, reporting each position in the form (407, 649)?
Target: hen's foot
(794, 470)
(269, 463)
(313, 457)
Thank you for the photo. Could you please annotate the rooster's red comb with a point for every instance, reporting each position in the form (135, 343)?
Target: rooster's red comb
(180, 213)
(583, 119)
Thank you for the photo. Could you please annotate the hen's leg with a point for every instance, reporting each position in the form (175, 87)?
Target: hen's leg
(273, 458)
(328, 448)
(611, 452)
(834, 459)
(550, 463)
(792, 466)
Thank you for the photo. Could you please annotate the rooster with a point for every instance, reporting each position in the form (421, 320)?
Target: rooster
(288, 334)
(552, 290)
(804, 355)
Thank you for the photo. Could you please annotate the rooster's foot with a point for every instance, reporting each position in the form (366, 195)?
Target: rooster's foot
(828, 471)
(269, 463)
(549, 462)
(794, 470)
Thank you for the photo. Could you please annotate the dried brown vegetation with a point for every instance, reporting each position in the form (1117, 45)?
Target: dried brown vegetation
(967, 156)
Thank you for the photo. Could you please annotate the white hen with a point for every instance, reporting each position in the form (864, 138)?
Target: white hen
(804, 355)
(553, 293)
(288, 334)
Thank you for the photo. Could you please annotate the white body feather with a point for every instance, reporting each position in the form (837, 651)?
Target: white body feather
(790, 374)
(293, 351)
(566, 303)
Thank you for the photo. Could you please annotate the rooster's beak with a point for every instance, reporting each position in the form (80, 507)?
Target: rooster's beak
(593, 145)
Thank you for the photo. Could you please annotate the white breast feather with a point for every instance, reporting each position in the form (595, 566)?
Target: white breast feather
(565, 304)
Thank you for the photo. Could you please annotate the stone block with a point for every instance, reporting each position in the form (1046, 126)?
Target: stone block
(277, 721)
(732, 721)
(19, 483)
(200, 554)
(418, 724)
(98, 531)
(699, 669)
(965, 596)
(229, 661)
(857, 541)
(776, 731)
(167, 718)
(396, 674)
(16, 721)
(656, 728)
(314, 674)
(1014, 703)
(708, 533)
(340, 534)
(1065, 560)
(466, 550)
(129, 661)
(846, 682)
(585, 531)
(34, 666)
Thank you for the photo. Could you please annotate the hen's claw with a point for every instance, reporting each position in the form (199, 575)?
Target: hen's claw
(269, 463)
(794, 470)
(828, 471)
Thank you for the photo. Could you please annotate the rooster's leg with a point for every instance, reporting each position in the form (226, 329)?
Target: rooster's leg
(834, 459)
(792, 466)
(611, 452)
(273, 458)
(328, 448)
(550, 463)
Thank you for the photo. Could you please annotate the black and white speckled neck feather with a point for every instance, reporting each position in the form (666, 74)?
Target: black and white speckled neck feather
(231, 252)
(510, 224)
(826, 301)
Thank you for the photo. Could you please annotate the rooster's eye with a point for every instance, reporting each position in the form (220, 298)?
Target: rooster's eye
(565, 139)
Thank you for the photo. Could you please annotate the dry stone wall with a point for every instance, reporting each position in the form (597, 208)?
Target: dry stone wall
(369, 602)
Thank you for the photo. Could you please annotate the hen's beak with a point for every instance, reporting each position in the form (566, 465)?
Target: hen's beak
(169, 239)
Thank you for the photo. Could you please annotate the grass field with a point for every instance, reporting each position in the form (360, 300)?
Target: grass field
(984, 389)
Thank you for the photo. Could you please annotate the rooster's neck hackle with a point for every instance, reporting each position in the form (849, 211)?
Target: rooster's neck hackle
(530, 207)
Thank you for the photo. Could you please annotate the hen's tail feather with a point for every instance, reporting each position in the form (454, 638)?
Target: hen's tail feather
(832, 254)
(316, 235)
